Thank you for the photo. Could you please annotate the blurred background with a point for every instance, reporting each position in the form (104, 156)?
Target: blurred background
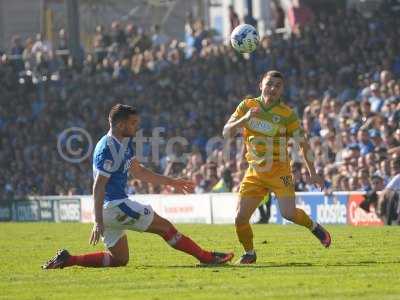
(65, 63)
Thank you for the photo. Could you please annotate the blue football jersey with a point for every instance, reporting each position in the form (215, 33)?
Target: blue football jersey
(112, 159)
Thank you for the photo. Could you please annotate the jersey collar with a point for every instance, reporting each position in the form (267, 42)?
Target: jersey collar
(115, 139)
(269, 106)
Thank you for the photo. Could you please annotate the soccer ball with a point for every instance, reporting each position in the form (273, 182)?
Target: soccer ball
(244, 38)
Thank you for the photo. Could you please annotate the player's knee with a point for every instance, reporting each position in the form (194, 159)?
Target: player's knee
(121, 262)
(288, 215)
(124, 262)
(241, 219)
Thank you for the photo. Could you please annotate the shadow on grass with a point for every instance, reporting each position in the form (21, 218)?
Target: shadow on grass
(265, 265)
(361, 263)
(275, 265)
(308, 264)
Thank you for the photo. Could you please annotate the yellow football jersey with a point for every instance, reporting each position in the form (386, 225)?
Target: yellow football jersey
(266, 135)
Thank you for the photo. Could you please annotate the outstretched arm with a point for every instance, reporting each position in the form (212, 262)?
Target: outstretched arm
(144, 174)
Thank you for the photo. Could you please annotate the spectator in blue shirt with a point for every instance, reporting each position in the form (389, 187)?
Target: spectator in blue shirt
(375, 98)
(365, 144)
(375, 136)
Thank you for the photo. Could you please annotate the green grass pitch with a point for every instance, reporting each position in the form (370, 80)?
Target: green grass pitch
(362, 263)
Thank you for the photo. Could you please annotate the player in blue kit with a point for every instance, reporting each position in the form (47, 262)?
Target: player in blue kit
(114, 212)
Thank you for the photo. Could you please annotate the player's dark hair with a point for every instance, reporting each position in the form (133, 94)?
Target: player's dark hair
(396, 163)
(249, 96)
(272, 73)
(120, 112)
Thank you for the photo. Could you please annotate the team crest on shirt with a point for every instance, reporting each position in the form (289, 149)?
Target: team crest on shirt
(107, 165)
(276, 119)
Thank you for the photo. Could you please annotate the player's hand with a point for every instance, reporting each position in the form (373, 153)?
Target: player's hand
(183, 186)
(252, 112)
(318, 181)
(97, 232)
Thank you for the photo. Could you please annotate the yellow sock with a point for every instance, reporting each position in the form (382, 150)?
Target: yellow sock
(245, 235)
(301, 218)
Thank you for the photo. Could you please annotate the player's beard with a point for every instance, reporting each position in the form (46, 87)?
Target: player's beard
(129, 133)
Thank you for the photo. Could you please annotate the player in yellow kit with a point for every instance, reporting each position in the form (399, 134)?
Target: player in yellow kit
(267, 125)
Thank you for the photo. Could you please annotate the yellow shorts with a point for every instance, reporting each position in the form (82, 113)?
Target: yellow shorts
(256, 184)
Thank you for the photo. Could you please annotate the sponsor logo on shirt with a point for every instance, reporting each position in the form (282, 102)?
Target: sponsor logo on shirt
(262, 126)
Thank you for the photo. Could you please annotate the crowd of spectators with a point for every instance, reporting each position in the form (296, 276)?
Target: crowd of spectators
(342, 76)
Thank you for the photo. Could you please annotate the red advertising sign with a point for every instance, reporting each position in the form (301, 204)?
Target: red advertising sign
(357, 216)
